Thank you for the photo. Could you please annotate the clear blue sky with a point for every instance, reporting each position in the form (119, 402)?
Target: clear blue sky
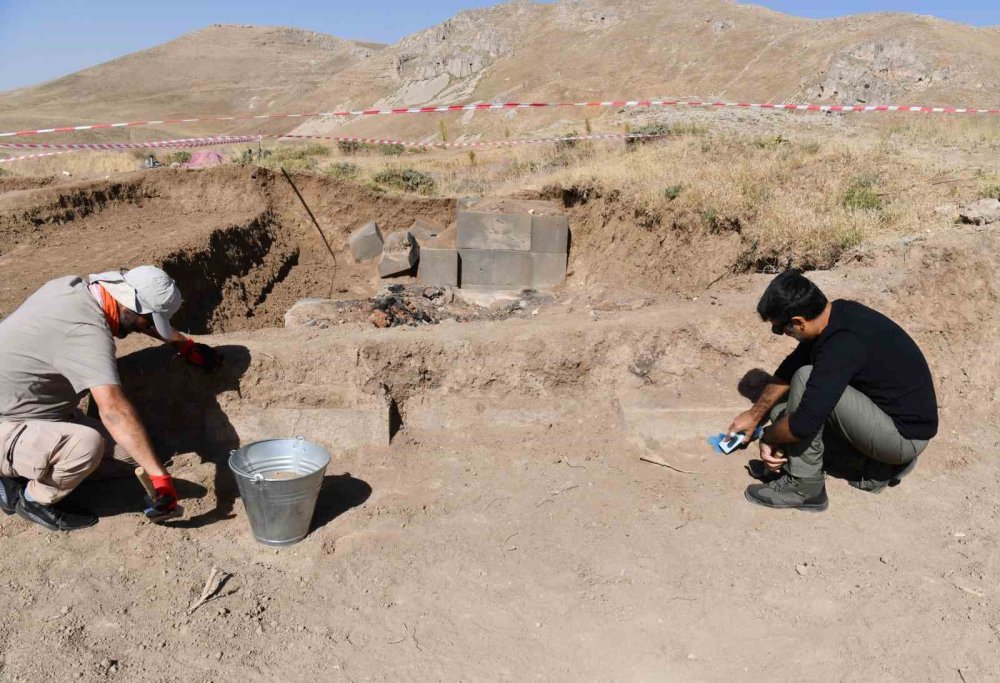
(45, 39)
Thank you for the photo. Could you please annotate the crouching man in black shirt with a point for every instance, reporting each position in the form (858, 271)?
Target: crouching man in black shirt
(856, 392)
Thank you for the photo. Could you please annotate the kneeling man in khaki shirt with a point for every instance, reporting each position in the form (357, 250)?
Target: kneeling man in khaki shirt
(58, 345)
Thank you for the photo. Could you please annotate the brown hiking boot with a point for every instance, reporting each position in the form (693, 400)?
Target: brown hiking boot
(789, 492)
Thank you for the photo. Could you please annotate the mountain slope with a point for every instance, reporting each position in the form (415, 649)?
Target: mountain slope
(570, 50)
(221, 69)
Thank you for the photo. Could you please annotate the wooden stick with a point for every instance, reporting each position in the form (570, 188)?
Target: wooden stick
(212, 585)
(663, 463)
(146, 482)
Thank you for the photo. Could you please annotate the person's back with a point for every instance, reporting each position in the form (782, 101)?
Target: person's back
(52, 348)
(895, 375)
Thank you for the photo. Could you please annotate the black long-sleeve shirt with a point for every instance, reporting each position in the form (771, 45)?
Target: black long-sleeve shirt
(863, 349)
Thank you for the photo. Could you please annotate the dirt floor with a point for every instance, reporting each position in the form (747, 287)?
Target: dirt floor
(509, 530)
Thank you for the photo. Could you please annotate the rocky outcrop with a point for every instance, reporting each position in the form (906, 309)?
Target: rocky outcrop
(877, 72)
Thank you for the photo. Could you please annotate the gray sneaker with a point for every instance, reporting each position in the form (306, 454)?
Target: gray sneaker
(54, 517)
(10, 492)
(789, 492)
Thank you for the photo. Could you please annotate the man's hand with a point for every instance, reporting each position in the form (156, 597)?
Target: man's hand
(166, 495)
(773, 460)
(200, 355)
(745, 422)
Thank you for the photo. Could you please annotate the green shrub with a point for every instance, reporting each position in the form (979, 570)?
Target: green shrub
(392, 150)
(408, 179)
(711, 219)
(344, 170)
(181, 156)
(861, 196)
(764, 143)
(990, 192)
(349, 147)
(673, 192)
(312, 149)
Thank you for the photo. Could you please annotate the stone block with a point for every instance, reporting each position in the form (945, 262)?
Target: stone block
(477, 267)
(512, 269)
(366, 242)
(438, 267)
(547, 270)
(549, 234)
(399, 254)
(494, 231)
(425, 232)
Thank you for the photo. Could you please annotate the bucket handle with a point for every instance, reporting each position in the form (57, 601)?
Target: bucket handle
(257, 478)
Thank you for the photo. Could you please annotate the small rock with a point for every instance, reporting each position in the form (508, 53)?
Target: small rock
(802, 569)
(983, 212)
(885, 560)
(379, 319)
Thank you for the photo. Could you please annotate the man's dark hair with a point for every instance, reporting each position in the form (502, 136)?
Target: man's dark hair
(788, 296)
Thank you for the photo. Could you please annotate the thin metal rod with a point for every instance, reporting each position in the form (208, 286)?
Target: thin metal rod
(318, 229)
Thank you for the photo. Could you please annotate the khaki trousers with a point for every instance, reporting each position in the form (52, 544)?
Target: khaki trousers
(857, 428)
(55, 457)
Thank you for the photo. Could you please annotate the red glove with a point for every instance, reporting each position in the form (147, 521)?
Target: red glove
(166, 493)
(200, 355)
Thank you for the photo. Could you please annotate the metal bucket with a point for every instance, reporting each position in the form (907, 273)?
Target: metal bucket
(280, 509)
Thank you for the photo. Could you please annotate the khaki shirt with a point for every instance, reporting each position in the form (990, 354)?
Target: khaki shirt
(53, 348)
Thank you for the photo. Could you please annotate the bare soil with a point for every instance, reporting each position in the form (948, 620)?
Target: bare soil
(509, 530)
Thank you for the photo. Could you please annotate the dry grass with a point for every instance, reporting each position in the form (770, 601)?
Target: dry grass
(803, 200)
(972, 132)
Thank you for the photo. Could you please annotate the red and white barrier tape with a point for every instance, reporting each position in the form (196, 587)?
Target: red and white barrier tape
(493, 106)
(497, 143)
(5, 160)
(161, 144)
(184, 142)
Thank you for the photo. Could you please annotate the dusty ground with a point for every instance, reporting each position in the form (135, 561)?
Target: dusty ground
(510, 530)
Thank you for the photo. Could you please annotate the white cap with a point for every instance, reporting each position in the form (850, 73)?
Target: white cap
(147, 290)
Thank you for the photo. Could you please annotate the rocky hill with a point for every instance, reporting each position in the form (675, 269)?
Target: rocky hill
(570, 50)
(219, 69)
